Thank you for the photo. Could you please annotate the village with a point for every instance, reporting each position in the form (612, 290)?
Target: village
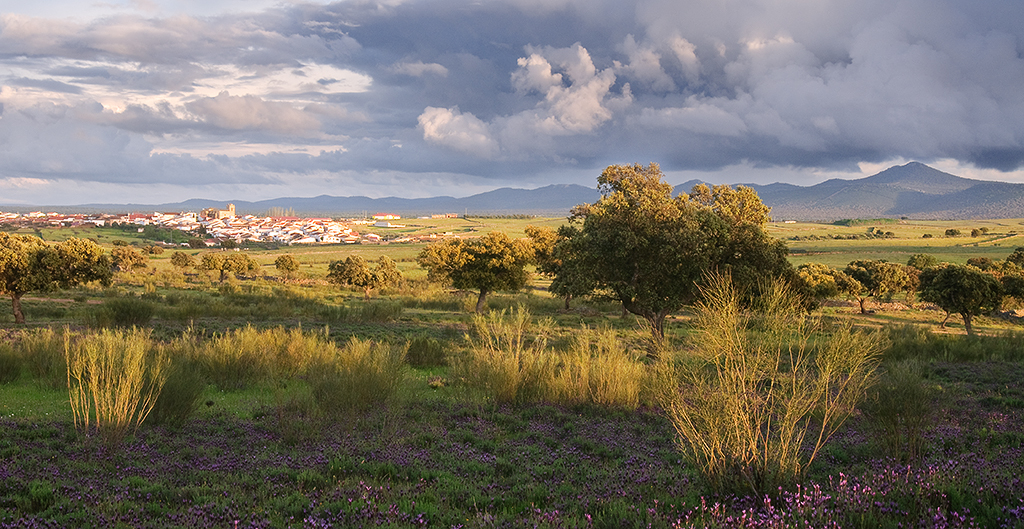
(219, 225)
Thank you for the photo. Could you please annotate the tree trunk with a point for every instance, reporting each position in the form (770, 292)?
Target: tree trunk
(967, 323)
(481, 301)
(223, 275)
(863, 301)
(944, 320)
(19, 316)
(366, 294)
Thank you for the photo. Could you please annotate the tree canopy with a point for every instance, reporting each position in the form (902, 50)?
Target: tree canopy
(354, 271)
(182, 260)
(650, 250)
(235, 263)
(556, 255)
(28, 264)
(286, 265)
(491, 263)
(878, 279)
(961, 289)
(817, 282)
(126, 258)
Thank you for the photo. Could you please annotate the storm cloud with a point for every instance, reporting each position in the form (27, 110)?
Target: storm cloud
(451, 96)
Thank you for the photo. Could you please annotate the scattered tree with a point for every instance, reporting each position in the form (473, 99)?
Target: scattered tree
(196, 243)
(650, 250)
(126, 258)
(182, 260)
(354, 271)
(984, 264)
(816, 282)
(28, 264)
(287, 265)
(1017, 257)
(952, 232)
(229, 244)
(922, 261)
(492, 263)
(963, 290)
(233, 263)
(877, 279)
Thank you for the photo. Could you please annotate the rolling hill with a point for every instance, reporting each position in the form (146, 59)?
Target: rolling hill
(913, 190)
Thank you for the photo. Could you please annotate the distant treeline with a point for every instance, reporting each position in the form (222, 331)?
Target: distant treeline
(866, 222)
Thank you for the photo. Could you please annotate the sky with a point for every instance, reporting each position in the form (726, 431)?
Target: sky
(157, 101)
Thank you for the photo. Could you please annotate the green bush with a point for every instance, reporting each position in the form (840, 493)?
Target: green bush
(181, 394)
(124, 312)
(426, 352)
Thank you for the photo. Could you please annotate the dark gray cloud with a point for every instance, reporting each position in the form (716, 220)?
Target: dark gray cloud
(505, 91)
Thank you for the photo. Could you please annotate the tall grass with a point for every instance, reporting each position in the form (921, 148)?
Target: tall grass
(899, 409)
(42, 350)
(916, 342)
(758, 389)
(10, 364)
(248, 356)
(599, 369)
(114, 380)
(360, 374)
(509, 359)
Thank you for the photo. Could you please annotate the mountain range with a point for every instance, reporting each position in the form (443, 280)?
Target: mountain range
(914, 190)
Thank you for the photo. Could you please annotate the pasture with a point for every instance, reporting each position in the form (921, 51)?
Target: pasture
(268, 442)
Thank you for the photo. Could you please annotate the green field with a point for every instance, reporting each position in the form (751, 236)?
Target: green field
(262, 448)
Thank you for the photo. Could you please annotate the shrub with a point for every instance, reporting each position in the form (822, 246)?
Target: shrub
(181, 394)
(357, 375)
(380, 311)
(124, 312)
(899, 409)
(114, 380)
(10, 364)
(425, 352)
(747, 403)
(248, 356)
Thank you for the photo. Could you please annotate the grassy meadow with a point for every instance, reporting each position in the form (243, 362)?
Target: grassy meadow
(294, 403)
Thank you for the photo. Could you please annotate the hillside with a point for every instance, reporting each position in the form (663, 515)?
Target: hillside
(912, 190)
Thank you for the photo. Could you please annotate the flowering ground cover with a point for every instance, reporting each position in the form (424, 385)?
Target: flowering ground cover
(439, 460)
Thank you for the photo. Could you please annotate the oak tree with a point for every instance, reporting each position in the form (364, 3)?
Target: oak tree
(28, 264)
(286, 265)
(491, 263)
(354, 271)
(650, 250)
(963, 290)
(878, 279)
